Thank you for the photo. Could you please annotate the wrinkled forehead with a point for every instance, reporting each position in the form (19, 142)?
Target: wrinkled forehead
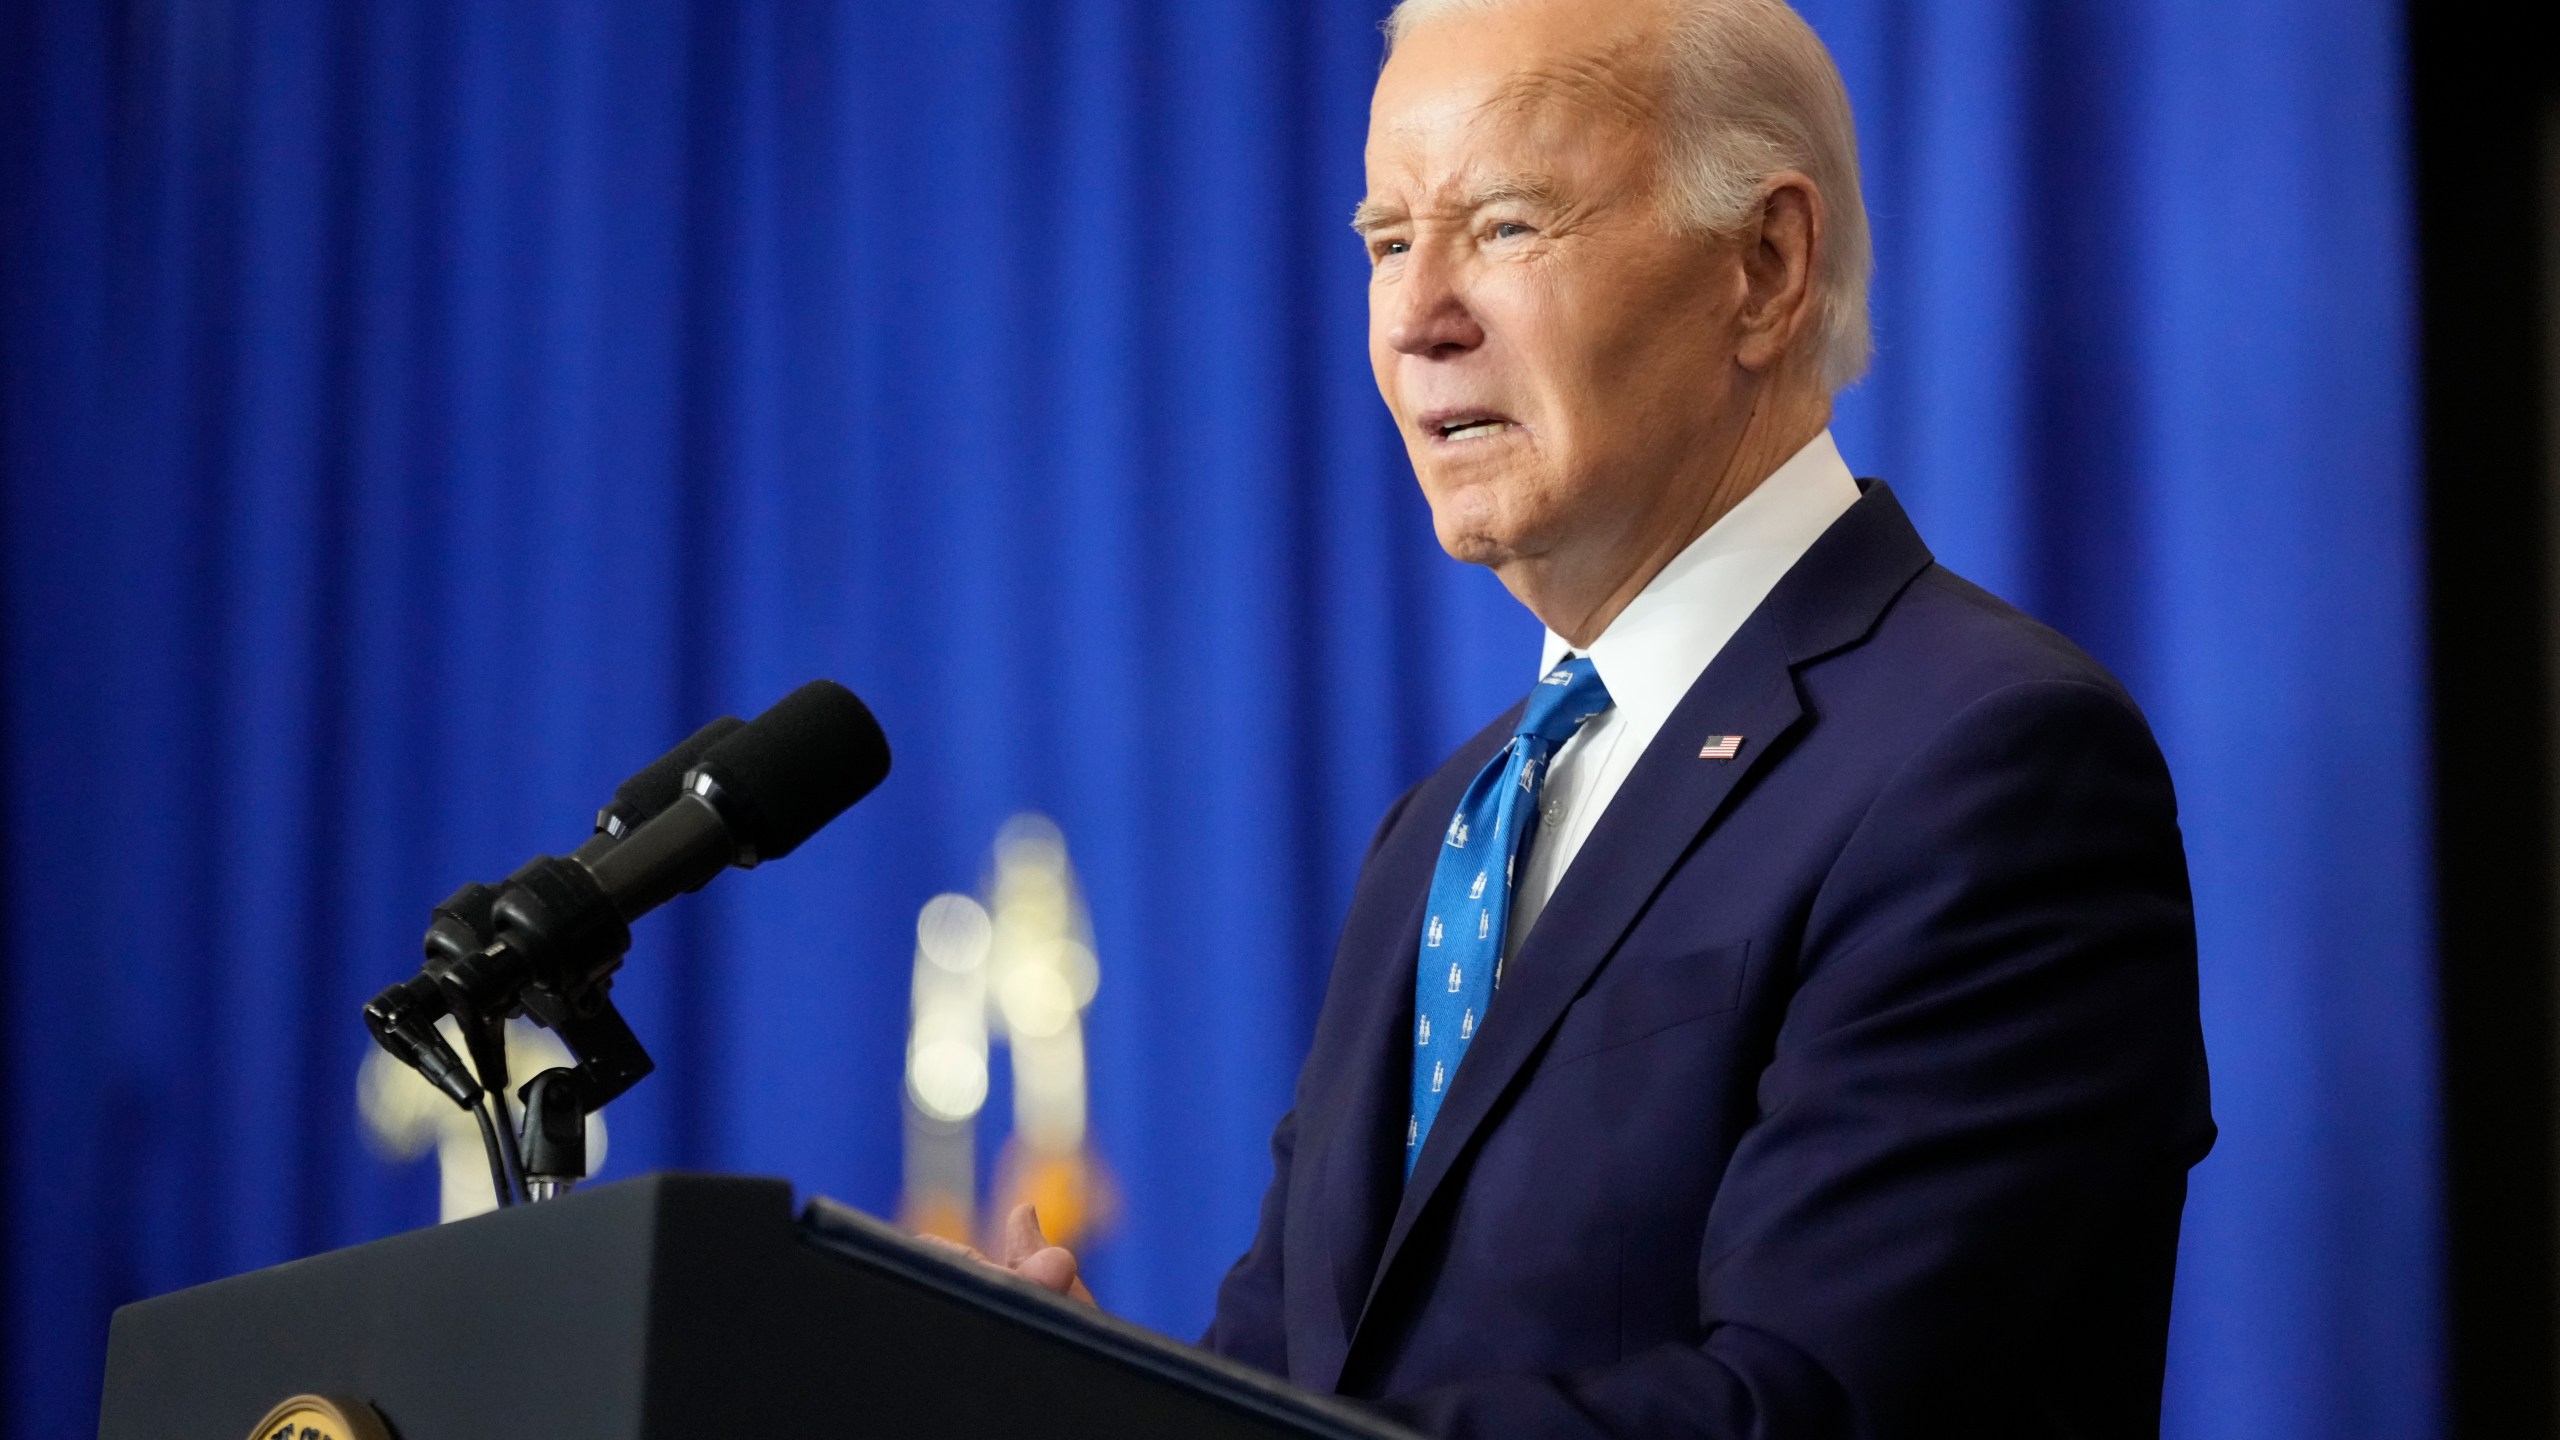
(1455, 96)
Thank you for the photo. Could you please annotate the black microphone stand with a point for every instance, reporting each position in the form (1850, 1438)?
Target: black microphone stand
(481, 969)
(547, 941)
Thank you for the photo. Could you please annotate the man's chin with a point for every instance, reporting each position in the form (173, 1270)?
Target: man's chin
(1472, 523)
(1476, 545)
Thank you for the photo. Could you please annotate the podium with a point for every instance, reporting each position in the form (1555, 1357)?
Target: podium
(675, 1305)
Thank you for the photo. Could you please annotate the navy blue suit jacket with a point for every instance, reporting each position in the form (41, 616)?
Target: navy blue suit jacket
(1847, 1087)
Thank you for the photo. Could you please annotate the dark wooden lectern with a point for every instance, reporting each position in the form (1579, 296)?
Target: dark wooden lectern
(676, 1305)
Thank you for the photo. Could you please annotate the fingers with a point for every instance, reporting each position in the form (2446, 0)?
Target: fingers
(1023, 1237)
(1051, 1267)
(1055, 1269)
(1027, 1253)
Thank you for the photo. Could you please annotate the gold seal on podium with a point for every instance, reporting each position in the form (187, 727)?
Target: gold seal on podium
(321, 1417)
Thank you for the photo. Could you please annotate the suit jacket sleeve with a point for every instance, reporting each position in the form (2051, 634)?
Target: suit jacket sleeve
(1249, 1325)
(1973, 1131)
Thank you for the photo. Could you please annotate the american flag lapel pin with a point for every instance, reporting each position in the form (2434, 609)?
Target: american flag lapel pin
(1720, 747)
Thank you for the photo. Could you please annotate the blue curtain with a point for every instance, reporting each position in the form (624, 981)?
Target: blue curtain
(416, 415)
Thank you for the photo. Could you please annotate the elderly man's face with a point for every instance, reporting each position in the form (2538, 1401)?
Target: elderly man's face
(1561, 362)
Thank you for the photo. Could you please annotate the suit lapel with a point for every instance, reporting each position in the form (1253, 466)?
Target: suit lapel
(1360, 1170)
(1832, 598)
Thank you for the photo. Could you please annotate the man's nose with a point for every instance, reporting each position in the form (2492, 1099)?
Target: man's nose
(1430, 316)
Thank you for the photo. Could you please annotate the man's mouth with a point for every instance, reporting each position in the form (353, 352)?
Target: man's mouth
(1467, 424)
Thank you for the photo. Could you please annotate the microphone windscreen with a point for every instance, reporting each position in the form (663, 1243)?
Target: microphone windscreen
(656, 788)
(797, 766)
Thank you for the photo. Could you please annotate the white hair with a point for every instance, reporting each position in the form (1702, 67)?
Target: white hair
(1753, 92)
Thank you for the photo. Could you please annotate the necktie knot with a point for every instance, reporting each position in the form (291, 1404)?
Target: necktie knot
(1570, 694)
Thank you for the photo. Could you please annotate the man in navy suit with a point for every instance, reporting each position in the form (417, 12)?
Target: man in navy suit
(1837, 1071)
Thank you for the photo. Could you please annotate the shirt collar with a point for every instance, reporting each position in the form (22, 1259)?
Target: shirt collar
(1666, 637)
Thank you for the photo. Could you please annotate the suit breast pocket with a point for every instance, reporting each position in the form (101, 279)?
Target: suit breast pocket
(1641, 994)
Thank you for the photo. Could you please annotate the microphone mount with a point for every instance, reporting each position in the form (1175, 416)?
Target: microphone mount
(545, 945)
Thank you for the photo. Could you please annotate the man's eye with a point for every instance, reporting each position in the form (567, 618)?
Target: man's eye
(1509, 230)
(1394, 247)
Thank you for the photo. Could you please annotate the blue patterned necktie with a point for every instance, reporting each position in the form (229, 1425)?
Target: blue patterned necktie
(1470, 908)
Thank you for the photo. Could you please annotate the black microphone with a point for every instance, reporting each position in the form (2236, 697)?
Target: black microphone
(549, 941)
(754, 795)
(461, 926)
(551, 935)
(640, 798)
(402, 1017)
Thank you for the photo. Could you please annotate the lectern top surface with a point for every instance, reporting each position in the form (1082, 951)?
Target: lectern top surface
(857, 1236)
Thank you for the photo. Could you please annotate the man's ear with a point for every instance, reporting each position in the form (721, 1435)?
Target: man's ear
(1778, 257)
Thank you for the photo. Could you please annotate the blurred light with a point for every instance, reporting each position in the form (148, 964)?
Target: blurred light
(948, 1080)
(947, 1041)
(1019, 969)
(953, 932)
(1037, 1002)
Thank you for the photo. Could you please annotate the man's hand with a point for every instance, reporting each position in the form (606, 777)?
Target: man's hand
(1028, 1253)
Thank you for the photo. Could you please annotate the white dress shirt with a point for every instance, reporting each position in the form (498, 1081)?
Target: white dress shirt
(1659, 646)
